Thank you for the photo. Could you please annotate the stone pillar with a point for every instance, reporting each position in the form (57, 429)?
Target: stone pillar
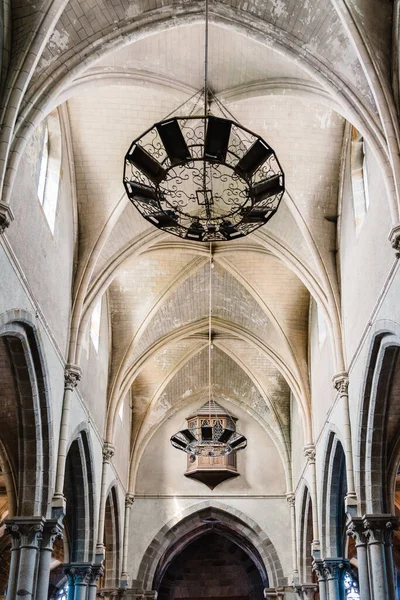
(309, 453)
(78, 575)
(129, 500)
(26, 534)
(341, 385)
(378, 530)
(291, 499)
(51, 531)
(355, 529)
(334, 571)
(72, 376)
(108, 453)
(96, 573)
(318, 568)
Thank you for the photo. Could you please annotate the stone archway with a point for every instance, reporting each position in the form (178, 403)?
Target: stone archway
(199, 520)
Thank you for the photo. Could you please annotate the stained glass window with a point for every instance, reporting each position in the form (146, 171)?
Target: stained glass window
(62, 593)
(351, 587)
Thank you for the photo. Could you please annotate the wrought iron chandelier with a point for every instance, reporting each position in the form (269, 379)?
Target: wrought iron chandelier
(206, 436)
(203, 178)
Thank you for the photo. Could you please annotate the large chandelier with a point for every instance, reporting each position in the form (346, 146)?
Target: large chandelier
(209, 435)
(203, 178)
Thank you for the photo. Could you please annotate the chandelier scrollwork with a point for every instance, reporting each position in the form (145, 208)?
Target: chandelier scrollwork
(203, 178)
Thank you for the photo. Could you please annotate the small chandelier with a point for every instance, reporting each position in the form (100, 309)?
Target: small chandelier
(213, 433)
(203, 178)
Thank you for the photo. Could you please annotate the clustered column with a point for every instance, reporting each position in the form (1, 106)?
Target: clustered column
(373, 535)
(32, 541)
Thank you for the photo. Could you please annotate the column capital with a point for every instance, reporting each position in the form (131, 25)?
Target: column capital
(6, 216)
(52, 530)
(318, 568)
(394, 239)
(341, 383)
(291, 499)
(334, 568)
(96, 572)
(72, 376)
(379, 528)
(306, 590)
(129, 500)
(108, 451)
(78, 573)
(355, 529)
(25, 531)
(309, 453)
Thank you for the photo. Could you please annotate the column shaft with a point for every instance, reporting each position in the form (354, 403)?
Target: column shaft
(129, 500)
(108, 453)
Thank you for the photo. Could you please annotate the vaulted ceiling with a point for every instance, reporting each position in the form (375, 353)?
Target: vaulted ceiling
(289, 70)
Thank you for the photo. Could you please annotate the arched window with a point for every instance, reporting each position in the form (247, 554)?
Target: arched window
(350, 587)
(95, 325)
(49, 168)
(359, 177)
(62, 593)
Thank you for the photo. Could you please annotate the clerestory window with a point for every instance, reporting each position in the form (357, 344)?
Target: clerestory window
(50, 168)
(359, 177)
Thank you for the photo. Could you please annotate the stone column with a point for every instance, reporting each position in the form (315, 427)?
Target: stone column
(377, 529)
(108, 453)
(14, 562)
(51, 531)
(309, 453)
(334, 571)
(78, 575)
(26, 534)
(318, 568)
(291, 499)
(129, 500)
(96, 573)
(72, 376)
(341, 385)
(355, 529)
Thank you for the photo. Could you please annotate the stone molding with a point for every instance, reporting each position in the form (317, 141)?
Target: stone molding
(6, 216)
(341, 383)
(309, 453)
(72, 376)
(108, 451)
(127, 594)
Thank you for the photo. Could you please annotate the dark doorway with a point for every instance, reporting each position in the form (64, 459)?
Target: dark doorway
(212, 567)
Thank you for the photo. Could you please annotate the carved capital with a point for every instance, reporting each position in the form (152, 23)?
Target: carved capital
(334, 568)
(78, 573)
(95, 574)
(355, 529)
(25, 532)
(309, 453)
(6, 216)
(72, 376)
(318, 568)
(394, 238)
(379, 528)
(52, 530)
(108, 451)
(306, 591)
(291, 499)
(129, 500)
(341, 383)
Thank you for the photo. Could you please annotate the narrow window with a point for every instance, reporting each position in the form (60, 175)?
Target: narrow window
(44, 161)
(95, 325)
(49, 168)
(359, 178)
